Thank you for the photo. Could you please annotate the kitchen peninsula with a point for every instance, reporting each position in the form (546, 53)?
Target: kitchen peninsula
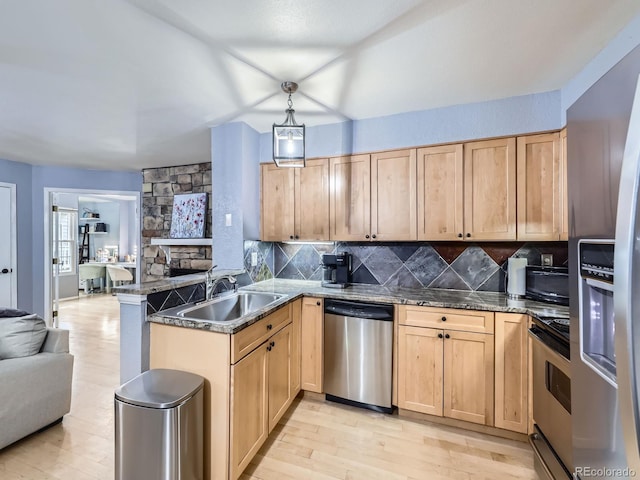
(248, 387)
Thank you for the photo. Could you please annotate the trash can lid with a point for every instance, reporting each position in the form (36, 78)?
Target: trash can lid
(160, 388)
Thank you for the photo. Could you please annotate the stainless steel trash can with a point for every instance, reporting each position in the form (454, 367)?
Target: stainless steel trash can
(159, 427)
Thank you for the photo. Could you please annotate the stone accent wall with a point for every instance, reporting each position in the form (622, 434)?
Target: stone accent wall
(158, 188)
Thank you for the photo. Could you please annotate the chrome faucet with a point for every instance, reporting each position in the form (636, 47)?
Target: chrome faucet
(211, 283)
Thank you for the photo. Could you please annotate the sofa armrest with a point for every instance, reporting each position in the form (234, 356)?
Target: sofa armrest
(56, 341)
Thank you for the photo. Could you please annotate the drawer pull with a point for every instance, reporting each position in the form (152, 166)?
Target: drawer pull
(318, 303)
(269, 327)
(269, 348)
(446, 335)
(444, 319)
(273, 344)
(439, 335)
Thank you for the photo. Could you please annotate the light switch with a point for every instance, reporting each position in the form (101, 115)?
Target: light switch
(227, 220)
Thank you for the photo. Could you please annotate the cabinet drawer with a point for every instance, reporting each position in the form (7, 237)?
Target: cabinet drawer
(246, 340)
(451, 319)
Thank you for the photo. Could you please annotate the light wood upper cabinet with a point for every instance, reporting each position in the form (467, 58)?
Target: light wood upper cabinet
(350, 198)
(249, 408)
(564, 196)
(278, 198)
(295, 202)
(539, 187)
(440, 192)
(490, 190)
(373, 197)
(312, 200)
(511, 372)
(312, 344)
(420, 369)
(393, 196)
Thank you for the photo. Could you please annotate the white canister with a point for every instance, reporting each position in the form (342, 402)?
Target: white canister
(516, 277)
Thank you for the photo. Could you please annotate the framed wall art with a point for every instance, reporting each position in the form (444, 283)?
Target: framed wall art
(188, 217)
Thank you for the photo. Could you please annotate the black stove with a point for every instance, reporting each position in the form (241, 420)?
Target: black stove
(553, 332)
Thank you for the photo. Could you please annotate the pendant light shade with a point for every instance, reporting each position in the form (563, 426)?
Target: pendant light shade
(289, 137)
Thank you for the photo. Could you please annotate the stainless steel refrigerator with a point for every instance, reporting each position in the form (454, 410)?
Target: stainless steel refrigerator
(603, 135)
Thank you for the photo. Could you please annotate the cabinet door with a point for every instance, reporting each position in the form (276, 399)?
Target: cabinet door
(420, 362)
(249, 404)
(296, 321)
(393, 196)
(312, 200)
(564, 196)
(277, 203)
(539, 187)
(440, 193)
(279, 347)
(490, 190)
(511, 372)
(468, 376)
(311, 345)
(350, 198)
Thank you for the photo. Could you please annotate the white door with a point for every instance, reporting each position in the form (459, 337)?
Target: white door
(8, 273)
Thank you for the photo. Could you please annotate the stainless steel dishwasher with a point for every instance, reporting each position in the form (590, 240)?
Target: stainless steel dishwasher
(358, 346)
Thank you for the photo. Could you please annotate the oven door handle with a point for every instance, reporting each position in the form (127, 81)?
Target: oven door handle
(592, 282)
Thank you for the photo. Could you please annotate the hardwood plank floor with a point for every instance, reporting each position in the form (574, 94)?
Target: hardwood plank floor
(314, 440)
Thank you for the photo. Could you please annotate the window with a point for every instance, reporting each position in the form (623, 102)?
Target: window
(67, 228)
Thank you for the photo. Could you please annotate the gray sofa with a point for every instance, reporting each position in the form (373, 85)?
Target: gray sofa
(36, 390)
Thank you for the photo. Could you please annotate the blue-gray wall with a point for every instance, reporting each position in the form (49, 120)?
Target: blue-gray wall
(235, 187)
(30, 183)
(509, 116)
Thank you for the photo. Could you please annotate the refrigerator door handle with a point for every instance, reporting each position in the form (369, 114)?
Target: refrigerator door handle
(626, 281)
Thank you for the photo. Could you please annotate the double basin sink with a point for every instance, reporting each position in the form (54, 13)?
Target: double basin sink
(225, 308)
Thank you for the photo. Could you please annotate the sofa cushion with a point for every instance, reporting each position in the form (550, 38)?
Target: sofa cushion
(11, 312)
(21, 336)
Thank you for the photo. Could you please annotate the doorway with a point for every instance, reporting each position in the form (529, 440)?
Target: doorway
(8, 246)
(95, 228)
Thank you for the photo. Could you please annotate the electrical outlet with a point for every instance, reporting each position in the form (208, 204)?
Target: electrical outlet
(254, 259)
(546, 259)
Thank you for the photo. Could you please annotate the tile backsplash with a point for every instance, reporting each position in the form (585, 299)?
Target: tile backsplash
(459, 266)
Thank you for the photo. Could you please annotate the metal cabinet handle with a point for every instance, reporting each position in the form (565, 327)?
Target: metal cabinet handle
(269, 348)
(297, 237)
(444, 319)
(272, 344)
(439, 335)
(459, 235)
(290, 237)
(468, 235)
(6, 270)
(366, 236)
(318, 303)
(446, 335)
(373, 236)
(269, 327)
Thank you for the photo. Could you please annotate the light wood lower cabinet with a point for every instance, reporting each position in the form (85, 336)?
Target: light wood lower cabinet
(249, 407)
(251, 379)
(512, 372)
(312, 344)
(445, 372)
(420, 369)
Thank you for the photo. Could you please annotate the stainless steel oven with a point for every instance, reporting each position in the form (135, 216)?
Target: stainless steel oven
(551, 440)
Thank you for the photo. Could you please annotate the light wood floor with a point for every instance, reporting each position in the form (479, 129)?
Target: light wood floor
(314, 440)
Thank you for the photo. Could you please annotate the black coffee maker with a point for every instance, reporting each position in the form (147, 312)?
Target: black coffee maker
(336, 270)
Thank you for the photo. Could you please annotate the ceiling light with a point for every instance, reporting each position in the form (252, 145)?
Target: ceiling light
(288, 138)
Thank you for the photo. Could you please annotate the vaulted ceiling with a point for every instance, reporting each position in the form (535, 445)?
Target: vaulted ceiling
(130, 84)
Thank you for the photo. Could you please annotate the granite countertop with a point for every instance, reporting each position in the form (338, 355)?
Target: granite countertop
(430, 297)
(171, 283)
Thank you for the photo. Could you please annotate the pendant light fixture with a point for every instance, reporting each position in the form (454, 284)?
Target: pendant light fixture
(288, 138)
